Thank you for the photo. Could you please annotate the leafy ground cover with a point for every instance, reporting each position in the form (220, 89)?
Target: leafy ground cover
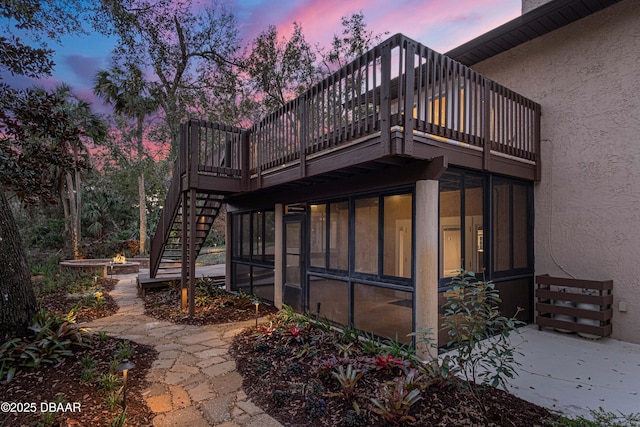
(61, 365)
(88, 378)
(86, 298)
(305, 373)
(213, 305)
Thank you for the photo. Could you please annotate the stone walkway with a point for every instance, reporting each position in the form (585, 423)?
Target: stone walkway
(194, 381)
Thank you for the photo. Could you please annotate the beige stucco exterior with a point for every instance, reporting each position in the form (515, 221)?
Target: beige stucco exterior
(586, 76)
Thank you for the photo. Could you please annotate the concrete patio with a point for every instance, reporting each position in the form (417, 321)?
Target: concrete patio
(570, 374)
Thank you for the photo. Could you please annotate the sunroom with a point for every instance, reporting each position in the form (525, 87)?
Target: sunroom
(359, 200)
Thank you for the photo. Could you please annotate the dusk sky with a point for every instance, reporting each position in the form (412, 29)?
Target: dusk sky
(438, 24)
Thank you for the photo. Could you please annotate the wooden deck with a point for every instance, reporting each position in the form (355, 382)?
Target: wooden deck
(400, 105)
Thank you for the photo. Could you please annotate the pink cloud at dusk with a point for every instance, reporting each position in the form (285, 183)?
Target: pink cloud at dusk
(438, 24)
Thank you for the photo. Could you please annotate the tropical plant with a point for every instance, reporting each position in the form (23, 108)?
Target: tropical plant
(130, 96)
(347, 378)
(371, 344)
(119, 420)
(124, 350)
(396, 400)
(51, 340)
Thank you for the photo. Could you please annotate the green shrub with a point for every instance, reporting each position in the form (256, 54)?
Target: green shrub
(51, 340)
(483, 352)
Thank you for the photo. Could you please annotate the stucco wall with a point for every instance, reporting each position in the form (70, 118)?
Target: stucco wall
(586, 76)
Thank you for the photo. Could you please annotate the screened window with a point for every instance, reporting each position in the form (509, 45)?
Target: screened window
(382, 311)
(461, 223)
(366, 236)
(329, 299)
(339, 236)
(253, 253)
(318, 243)
(511, 209)
(269, 236)
(246, 235)
(398, 235)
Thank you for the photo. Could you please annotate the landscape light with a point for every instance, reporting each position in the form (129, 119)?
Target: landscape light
(124, 368)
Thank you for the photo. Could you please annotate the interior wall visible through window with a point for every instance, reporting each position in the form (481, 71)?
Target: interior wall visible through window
(462, 243)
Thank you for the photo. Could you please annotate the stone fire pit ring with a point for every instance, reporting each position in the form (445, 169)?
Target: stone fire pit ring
(101, 267)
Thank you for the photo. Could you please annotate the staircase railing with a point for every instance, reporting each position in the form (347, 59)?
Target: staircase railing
(167, 218)
(205, 148)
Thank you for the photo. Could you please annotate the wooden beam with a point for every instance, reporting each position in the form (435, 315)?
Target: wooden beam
(403, 175)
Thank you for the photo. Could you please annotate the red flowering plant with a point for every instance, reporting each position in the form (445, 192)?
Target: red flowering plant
(295, 333)
(388, 362)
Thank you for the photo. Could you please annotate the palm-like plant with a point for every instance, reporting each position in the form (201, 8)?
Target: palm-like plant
(93, 129)
(129, 94)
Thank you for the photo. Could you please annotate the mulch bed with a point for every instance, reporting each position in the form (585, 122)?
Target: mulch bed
(225, 307)
(291, 380)
(60, 302)
(43, 385)
(64, 381)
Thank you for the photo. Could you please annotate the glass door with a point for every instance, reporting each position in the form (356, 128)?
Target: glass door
(294, 262)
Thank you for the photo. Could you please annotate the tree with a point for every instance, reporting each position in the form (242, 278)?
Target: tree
(191, 52)
(129, 94)
(93, 130)
(33, 142)
(37, 18)
(281, 69)
(35, 137)
(354, 41)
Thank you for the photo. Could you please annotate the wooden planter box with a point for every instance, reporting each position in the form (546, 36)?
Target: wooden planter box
(547, 291)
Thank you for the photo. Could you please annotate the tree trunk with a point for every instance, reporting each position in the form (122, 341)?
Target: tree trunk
(17, 299)
(65, 208)
(142, 197)
(74, 216)
(78, 206)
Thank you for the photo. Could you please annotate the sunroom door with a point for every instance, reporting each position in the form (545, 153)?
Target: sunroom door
(294, 262)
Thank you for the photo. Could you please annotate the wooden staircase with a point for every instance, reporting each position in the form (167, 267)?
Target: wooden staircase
(207, 209)
(207, 169)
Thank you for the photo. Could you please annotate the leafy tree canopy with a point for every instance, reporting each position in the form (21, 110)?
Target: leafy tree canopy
(36, 136)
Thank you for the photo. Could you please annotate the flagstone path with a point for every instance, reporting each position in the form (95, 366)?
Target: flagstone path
(194, 381)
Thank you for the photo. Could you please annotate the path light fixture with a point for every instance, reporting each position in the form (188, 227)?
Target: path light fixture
(124, 368)
(95, 279)
(256, 302)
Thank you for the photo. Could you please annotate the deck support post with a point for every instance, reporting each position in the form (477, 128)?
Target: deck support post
(426, 267)
(385, 99)
(409, 97)
(278, 257)
(192, 251)
(228, 256)
(183, 265)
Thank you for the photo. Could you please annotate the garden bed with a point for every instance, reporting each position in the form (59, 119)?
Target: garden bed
(87, 377)
(292, 370)
(214, 305)
(64, 383)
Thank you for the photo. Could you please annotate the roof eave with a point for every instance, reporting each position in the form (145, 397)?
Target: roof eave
(535, 23)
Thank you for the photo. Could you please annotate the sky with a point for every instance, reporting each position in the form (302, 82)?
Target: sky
(438, 24)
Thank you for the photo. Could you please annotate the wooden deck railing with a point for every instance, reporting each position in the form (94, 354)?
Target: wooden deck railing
(398, 85)
(396, 80)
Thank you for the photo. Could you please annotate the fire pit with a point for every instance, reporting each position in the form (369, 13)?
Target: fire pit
(102, 267)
